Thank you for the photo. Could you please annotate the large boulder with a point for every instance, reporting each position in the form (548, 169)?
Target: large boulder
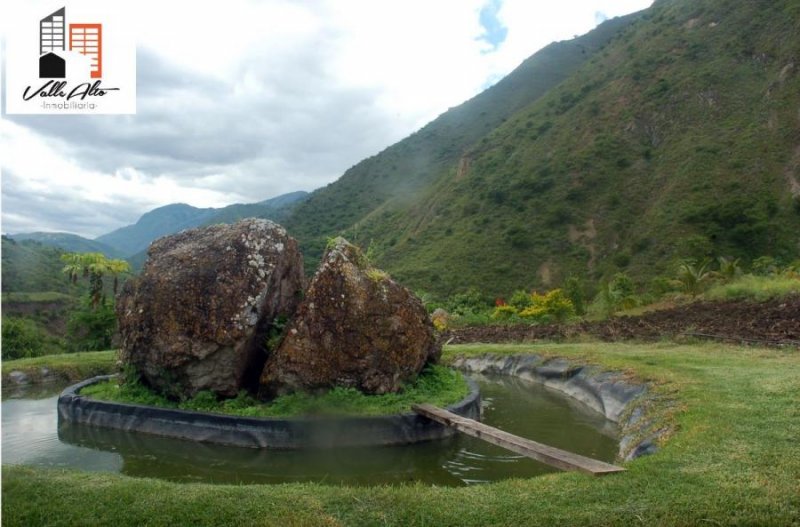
(198, 316)
(356, 327)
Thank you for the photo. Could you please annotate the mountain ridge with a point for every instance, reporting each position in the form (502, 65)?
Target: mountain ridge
(68, 242)
(175, 217)
(670, 141)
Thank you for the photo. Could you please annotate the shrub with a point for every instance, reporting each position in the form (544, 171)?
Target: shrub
(92, 328)
(574, 290)
(729, 268)
(553, 305)
(764, 266)
(693, 278)
(520, 299)
(613, 296)
(503, 312)
(558, 305)
(21, 339)
(758, 288)
(536, 313)
(470, 301)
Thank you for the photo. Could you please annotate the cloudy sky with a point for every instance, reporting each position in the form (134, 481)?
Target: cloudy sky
(286, 97)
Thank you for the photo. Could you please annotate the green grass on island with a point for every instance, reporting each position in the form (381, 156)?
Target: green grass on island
(68, 366)
(437, 385)
(733, 459)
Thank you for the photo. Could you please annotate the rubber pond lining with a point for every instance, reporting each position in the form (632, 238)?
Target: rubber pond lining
(256, 432)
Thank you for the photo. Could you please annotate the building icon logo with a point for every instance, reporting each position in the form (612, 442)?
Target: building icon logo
(82, 59)
(86, 39)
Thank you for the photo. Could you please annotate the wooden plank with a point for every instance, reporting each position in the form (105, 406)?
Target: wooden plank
(546, 454)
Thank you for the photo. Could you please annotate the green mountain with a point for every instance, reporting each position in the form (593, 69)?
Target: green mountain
(68, 242)
(30, 266)
(133, 240)
(158, 222)
(668, 134)
(276, 209)
(384, 188)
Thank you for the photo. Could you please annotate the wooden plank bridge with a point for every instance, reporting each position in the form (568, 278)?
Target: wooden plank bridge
(546, 454)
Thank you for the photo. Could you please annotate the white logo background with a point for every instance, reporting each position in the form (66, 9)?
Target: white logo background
(22, 61)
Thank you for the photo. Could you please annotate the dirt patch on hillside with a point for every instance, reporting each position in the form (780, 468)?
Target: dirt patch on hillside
(776, 322)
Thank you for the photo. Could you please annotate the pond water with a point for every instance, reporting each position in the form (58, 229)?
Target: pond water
(30, 435)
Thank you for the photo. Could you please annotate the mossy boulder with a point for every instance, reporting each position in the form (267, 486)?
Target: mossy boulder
(198, 315)
(356, 327)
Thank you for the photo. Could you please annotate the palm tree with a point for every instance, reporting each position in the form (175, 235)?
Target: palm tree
(116, 267)
(729, 268)
(692, 278)
(74, 266)
(94, 266)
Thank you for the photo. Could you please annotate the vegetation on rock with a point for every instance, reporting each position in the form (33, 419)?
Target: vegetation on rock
(437, 385)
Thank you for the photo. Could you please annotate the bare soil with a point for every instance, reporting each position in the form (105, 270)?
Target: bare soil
(775, 322)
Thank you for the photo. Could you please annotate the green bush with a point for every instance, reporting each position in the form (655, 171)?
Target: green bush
(21, 339)
(758, 288)
(764, 266)
(520, 299)
(503, 312)
(551, 306)
(614, 296)
(574, 290)
(91, 328)
(693, 278)
(470, 301)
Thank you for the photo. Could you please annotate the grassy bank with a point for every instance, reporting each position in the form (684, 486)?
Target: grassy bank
(733, 460)
(436, 385)
(66, 366)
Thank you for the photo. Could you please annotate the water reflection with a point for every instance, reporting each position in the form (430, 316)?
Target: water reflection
(31, 436)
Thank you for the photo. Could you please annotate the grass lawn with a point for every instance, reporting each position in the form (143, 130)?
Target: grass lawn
(734, 459)
(69, 366)
(437, 385)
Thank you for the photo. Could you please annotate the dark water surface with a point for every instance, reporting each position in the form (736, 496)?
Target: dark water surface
(30, 436)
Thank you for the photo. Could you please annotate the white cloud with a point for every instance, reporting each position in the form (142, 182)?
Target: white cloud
(34, 166)
(242, 100)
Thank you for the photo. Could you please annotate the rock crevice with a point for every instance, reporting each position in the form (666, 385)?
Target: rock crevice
(197, 316)
(355, 328)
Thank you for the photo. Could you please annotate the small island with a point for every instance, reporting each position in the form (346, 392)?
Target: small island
(222, 341)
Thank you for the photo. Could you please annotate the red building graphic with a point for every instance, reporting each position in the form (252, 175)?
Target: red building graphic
(87, 39)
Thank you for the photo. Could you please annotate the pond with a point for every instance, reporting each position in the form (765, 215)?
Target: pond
(30, 435)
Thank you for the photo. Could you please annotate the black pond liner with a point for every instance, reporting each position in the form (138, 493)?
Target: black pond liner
(257, 432)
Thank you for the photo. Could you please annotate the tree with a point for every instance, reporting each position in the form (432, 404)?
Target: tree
(94, 266)
(21, 338)
(693, 278)
(74, 267)
(573, 288)
(117, 267)
(729, 268)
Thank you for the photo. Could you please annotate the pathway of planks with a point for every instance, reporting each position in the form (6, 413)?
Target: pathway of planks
(538, 451)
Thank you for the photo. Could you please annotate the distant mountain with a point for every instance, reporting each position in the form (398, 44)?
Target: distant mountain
(276, 209)
(133, 240)
(158, 222)
(68, 242)
(31, 266)
(672, 133)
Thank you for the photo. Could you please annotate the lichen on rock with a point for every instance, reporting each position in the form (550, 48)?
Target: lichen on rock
(197, 316)
(355, 328)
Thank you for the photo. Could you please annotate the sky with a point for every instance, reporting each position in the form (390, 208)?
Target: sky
(286, 96)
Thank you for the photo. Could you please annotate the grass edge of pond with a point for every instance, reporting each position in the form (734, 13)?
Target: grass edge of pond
(733, 460)
(436, 384)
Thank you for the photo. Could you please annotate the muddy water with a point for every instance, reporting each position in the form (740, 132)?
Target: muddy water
(30, 435)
